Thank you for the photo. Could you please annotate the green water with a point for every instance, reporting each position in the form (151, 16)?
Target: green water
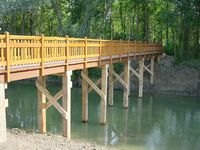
(153, 123)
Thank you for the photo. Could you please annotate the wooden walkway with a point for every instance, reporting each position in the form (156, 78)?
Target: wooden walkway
(23, 57)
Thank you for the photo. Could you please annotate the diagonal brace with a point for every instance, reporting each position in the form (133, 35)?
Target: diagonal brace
(93, 85)
(53, 100)
(147, 69)
(135, 73)
(120, 79)
(97, 83)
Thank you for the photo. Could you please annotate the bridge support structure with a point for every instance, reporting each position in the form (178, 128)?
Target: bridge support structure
(3, 105)
(65, 109)
(86, 81)
(124, 79)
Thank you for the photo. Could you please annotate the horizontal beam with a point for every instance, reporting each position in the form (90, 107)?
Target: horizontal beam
(32, 71)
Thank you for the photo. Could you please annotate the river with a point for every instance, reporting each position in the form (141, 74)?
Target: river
(156, 122)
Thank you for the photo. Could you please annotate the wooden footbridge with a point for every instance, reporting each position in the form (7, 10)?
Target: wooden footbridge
(23, 57)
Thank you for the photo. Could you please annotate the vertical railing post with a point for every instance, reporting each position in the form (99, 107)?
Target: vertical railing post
(7, 56)
(42, 55)
(110, 53)
(121, 50)
(67, 52)
(86, 52)
(100, 51)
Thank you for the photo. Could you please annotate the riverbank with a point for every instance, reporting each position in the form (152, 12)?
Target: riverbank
(170, 78)
(174, 79)
(24, 140)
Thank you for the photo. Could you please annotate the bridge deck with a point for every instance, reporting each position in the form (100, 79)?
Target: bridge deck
(23, 57)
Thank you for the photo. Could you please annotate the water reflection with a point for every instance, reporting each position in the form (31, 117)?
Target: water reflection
(154, 122)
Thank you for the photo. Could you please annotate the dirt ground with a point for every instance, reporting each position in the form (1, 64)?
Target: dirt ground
(24, 140)
(169, 78)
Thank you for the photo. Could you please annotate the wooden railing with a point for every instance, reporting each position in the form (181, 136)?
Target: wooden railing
(24, 50)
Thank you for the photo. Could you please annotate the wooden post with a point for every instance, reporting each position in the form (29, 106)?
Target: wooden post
(7, 56)
(41, 108)
(86, 51)
(66, 103)
(104, 80)
(100, 51)
(141, 71)
(67, 52)
(42, 55)
(111, 84)
(127, 81)
(3, 105)
(85, 97)
(152, 70)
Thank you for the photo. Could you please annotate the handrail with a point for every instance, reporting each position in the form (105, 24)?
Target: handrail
(24, 50)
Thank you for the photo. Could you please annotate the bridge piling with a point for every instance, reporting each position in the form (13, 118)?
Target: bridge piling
(85, 97)
(152, 70)
(41, 109)
(101, 91)
(124, 79)
(66, 103)
(3, 105)
(141, 73)
(127, 84)
(104, 85)
(64, 110)
(111, 86)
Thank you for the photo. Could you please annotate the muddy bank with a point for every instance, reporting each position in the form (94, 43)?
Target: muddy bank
(171, 79)
(24, 140)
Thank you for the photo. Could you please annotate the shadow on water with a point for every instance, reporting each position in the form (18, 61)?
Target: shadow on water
(154, 122)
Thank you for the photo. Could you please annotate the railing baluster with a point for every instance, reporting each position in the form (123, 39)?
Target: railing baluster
(100, 51)
(86, 52)
(8, 56)
(42, 55)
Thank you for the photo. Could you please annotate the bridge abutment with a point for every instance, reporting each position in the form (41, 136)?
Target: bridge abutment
(3, 105)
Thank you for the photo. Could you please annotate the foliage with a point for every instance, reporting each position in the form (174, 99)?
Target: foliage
(175, 23)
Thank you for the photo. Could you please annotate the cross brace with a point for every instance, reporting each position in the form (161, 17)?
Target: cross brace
(93, 85)
(147, 69)
(53, 100)
(118, 77)
(136, 74)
